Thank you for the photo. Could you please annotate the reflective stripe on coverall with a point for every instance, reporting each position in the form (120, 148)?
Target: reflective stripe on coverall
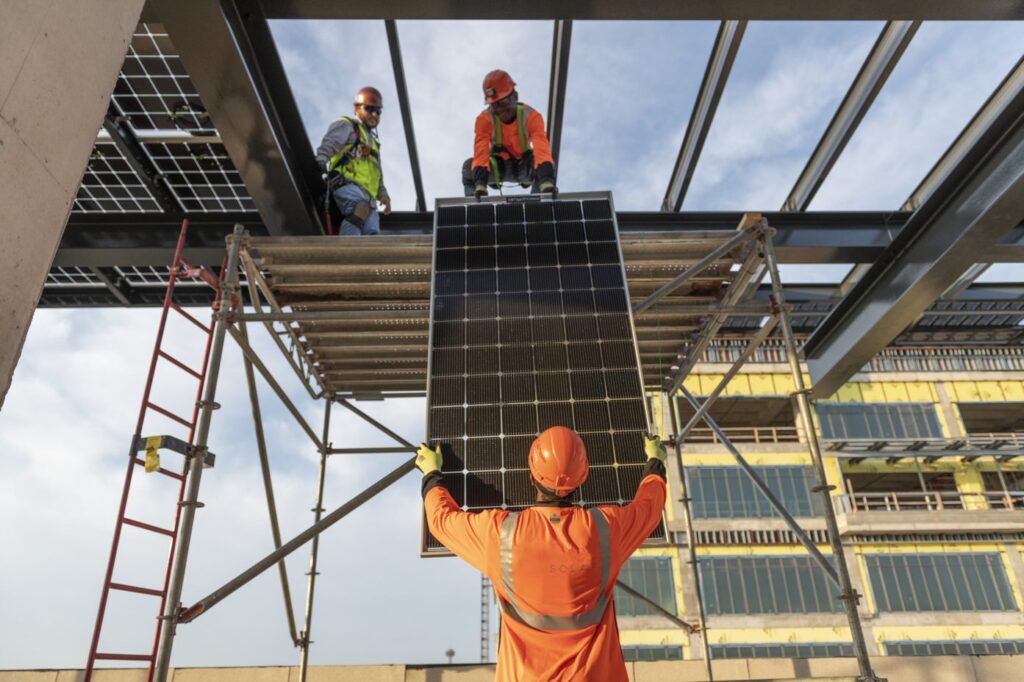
(554, 571)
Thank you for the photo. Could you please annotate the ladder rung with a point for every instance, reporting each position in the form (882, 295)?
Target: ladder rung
(169, 414)
(124, 657)
(147, 526)
(166, 472)
(175, 361)
(133, 588)
(189, 317)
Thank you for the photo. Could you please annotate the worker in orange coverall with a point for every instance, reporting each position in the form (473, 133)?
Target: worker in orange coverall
(553, 565)
(510, 143)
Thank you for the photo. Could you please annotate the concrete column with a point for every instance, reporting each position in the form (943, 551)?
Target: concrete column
(59, 61)
(948, 411)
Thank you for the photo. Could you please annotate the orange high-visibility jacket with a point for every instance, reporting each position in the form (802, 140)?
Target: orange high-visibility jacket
(536, 136)
(554, 570)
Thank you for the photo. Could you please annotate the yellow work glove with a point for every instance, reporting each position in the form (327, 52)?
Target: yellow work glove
(655, 449)
(427, 459)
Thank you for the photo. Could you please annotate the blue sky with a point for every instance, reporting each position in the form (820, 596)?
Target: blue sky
(67, 420)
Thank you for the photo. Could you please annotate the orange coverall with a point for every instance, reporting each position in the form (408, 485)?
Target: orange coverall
(538, 137)
(554, 575)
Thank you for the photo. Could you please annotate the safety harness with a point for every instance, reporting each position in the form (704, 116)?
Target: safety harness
(351, 165)
(497, 145)
(591, 616)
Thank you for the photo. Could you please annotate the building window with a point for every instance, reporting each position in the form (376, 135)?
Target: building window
(803, 650)
(971, 647)
(651, 576)
(878, 420)
(765, 585)
(652, 652)
(940, 582)
(728, 492)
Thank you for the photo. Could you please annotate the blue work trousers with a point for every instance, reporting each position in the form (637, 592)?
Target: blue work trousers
(346, 197)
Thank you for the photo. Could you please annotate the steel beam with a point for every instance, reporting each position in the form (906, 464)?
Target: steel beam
(968, 137)
(206, 603)
(124, 139)
(118, 288)
(723, 54)
(970, 211)
(863, 10)
(881, 60)
(403, 102)
(101, 240)
(809, 237)
(228, 51)
(560, 45)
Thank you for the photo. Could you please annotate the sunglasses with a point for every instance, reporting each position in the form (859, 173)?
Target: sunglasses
(371, 108)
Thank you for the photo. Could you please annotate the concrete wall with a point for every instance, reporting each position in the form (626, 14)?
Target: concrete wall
(58, 65)
(896, 669)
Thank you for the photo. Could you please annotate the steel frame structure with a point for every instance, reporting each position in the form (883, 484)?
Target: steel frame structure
(752, 245)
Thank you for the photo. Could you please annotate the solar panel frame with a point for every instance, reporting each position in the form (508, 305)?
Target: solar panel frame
(541, 376)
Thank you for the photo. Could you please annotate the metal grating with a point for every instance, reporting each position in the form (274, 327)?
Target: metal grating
(531, 327)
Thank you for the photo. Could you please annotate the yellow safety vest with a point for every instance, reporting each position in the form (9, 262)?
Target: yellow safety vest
(497, 146)
(362, 170)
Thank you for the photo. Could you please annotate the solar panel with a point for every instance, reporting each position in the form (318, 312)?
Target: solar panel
(109, 185)
(530, 328)
(157, 101)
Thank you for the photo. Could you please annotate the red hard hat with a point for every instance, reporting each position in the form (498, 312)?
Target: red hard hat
(497, 85)
(558, 460)
(369, 95)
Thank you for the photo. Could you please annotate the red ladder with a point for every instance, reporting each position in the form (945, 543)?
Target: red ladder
(180, 269)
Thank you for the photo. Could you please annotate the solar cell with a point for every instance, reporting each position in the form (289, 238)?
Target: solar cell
(159, 105)
(531, 328)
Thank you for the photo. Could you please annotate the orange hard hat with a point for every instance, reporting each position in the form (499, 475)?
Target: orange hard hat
(497, 85)
(558, 460)
(369, 95)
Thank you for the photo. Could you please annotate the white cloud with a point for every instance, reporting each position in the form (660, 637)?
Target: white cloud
(785, 84)
(64, 432)
(943, 78)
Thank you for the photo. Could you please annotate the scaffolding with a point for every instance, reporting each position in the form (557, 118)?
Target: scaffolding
(351, 318)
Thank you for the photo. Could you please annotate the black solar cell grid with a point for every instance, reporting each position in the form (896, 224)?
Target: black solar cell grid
(156, 100)
(531, 328)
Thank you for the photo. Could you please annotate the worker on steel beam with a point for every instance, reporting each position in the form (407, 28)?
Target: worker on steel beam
(349, 156)
(553, 565)
(510, 143)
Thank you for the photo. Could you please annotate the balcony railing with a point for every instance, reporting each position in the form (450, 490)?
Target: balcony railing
(1007, 445)
(941, 359)
(929, 501)
(896, 359)
(746, 434)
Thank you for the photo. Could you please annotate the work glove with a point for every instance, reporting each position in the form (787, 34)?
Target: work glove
(322, 165)
(655, 449)
(428, 460)
(386, 200)
(480, 192)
